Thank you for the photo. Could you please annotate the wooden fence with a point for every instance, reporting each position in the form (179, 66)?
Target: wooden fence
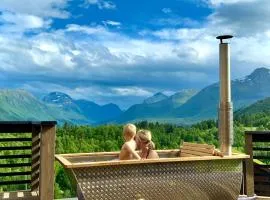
(27, 159)
(258, 166)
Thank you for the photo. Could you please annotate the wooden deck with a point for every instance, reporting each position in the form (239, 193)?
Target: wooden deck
(242, 197)
(20, 195)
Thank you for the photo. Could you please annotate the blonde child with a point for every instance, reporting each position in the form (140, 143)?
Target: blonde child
(128, 149)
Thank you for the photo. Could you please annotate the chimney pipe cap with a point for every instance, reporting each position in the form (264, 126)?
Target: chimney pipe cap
(222, 37)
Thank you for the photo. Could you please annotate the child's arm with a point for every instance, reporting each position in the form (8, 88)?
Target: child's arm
(133, 152)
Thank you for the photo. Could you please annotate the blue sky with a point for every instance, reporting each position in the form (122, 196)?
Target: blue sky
(123, 51)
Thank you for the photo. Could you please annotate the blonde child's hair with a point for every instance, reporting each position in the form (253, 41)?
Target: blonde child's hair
(129, 130)
(146, 136)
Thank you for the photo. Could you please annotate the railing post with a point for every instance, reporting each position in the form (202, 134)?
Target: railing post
(47, 149)
(249, 169)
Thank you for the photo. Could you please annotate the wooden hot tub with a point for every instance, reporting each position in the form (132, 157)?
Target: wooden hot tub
(102, 176)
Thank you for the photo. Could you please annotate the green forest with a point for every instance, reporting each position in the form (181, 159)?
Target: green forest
(74, 139)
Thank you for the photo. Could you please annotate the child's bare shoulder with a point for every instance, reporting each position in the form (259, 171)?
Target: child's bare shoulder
(129, 145)
(125, 145)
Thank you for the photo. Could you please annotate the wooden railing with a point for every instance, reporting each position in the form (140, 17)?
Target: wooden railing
(27, 159)
(258, 166)
(15, 154)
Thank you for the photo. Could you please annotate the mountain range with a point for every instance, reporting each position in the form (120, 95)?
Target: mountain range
(21, 105)
(203, 104)
(158, 107)
(246, 91)
(91, 112)
(261, 106)
(186, 106)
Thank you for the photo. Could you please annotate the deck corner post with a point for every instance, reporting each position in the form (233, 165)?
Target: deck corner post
(249, 170)
(47, 150)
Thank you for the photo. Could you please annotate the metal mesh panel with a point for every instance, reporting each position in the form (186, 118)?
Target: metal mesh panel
(205, 180)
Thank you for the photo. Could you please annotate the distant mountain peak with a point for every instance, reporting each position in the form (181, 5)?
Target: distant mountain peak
(261, 70)
(155, 98)
(60, 94)
(182, 96)
(57, 98)
(183, 91)
(158, 94)
(18, 104)
(259, 73)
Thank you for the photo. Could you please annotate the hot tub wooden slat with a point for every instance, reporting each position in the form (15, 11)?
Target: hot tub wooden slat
(203, 150)
(108, 156)
(111, 153)
(194, 149)
(183, 154)
(196, 153)
(205, 146)
(64, 159)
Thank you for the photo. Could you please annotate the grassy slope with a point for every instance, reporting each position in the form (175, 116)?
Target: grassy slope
(21, 105)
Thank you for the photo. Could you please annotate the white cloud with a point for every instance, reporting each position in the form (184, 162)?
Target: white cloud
(102, 4)
(41, 8)
(179, 34)
(91, 30)
(47, 52)
(132, 91)
(107, 5)
(111, 23)
(40, 54)
(252, 50)
(14, 22)
(120, 49)
(220, 2)
(166, 10)
(187, 53)
(102, 55)
(246, 21)
(175, 21)
(111, 63)
(245, 18)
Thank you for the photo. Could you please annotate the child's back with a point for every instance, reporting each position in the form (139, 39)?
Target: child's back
(128, 149)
